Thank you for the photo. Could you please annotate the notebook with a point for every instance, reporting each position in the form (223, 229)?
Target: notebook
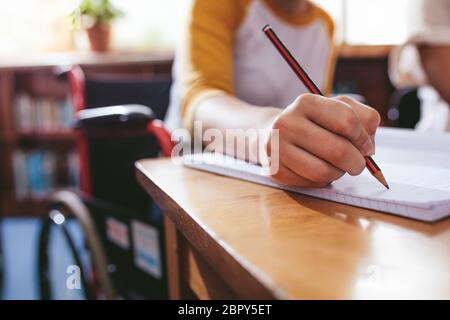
(417, 167)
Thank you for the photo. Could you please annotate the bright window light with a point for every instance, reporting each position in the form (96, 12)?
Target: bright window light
(376, 22)
(35, 25)
(149, 23)
(368, 22)
(42, 25)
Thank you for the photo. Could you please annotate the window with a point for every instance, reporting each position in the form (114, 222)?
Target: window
(149, 23)
(35, 25)
(41, 25)
(368, 22)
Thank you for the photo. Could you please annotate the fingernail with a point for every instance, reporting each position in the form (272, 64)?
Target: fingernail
(368, 148)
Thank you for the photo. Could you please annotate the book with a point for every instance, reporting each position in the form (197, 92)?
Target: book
(38, 173)
(42, 114)
(416, 165)
(20, 175)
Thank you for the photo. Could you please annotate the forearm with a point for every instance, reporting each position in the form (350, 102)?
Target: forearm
(436, 64)
(232, 117)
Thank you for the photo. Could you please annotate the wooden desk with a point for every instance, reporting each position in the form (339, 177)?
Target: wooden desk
(227, 238)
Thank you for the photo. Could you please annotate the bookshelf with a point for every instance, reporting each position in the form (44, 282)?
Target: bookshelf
(37, 146)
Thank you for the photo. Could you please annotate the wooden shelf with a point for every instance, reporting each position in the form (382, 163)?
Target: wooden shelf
(24, 208)
(85, 59)
(364, 51)
(34, 207)
(91, 59)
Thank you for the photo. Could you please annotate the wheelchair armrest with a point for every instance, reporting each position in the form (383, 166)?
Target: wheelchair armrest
(113, 115)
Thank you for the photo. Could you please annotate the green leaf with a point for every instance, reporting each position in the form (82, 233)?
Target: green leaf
(99, 11)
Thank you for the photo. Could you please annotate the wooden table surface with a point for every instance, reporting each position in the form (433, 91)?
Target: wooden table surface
(268, 243)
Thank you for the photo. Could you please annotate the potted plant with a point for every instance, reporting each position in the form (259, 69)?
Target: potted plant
(96, 16)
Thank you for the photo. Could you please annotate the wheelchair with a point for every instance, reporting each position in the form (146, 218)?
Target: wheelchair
(117, 122)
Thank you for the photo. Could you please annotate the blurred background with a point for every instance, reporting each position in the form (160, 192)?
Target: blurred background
(148, 24)
(38, 153)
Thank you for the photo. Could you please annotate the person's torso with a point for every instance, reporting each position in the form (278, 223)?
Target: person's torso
(261, 76)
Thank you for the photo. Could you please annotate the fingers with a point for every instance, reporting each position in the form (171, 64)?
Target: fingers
(338, 117)
(369, 117)
(287, 177)
(312, 168)
(321, 138)
(331, 148)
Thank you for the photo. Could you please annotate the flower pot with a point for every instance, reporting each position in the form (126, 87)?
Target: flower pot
(99, 37)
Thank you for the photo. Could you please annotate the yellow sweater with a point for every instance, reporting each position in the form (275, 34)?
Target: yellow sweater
(224, 51)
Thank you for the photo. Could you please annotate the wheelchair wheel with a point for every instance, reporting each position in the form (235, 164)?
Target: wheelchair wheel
(55, 229)
(66, 207)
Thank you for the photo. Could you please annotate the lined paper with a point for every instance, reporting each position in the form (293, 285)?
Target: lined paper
(419, 180)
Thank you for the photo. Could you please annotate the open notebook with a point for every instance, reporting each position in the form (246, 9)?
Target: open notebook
(417, 167)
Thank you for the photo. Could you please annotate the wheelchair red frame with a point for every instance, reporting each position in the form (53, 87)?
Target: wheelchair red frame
(77, 80)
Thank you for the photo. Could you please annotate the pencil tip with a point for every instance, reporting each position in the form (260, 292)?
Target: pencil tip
(380, 177)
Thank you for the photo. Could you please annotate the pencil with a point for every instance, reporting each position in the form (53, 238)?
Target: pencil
(311, 86)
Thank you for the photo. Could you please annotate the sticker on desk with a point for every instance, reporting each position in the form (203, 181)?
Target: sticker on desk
(146, 248)
(117, 233)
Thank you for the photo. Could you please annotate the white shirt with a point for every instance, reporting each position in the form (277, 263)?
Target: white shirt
(260, 75)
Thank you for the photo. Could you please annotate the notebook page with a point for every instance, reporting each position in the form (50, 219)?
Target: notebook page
(425, 191)
(412, 140)
(429, 187)
(419, 178)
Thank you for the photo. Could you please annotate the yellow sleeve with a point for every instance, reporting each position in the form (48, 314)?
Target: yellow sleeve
(206, 56)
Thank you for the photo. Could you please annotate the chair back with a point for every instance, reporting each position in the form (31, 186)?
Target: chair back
(404, 109)
(112, 141)
(153, 93)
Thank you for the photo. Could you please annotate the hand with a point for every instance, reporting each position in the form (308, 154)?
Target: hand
(320, 139)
